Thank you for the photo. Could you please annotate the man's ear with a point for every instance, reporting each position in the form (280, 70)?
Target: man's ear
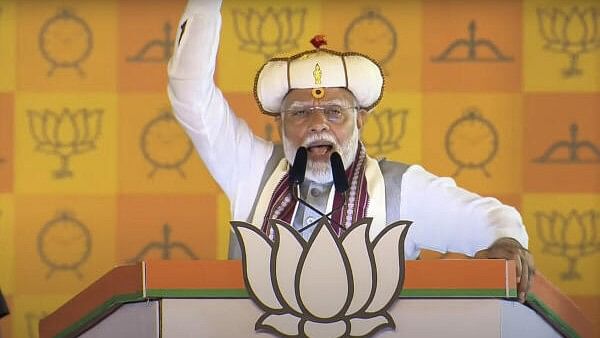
(361, 117)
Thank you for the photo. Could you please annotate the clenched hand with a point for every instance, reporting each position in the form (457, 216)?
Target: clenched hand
(509, 248)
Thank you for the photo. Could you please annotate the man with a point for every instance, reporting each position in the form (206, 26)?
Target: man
(320, 100)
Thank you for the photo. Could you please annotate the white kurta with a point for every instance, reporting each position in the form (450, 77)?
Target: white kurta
(445, 217)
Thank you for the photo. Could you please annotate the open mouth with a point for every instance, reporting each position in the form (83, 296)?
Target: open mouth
(320, 148)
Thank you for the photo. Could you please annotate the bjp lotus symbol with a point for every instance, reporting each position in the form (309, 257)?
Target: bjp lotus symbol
(65, 134)
(329, 286)
(572, 33)
(571, 235)
(269, 32)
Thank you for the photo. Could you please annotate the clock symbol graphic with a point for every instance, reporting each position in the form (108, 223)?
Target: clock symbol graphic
(471, 142)
(373, 34)
(64, 243)
(65, 41)
(164, 144)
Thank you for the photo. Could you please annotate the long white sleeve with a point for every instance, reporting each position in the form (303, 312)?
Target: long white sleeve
(234, 156)
(448, 218)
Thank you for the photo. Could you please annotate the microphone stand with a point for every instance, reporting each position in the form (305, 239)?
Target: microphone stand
(296, 196)
(296, 177)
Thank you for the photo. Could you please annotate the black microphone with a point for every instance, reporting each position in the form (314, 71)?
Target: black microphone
(298, 169)
(296, 177)
(340, 181)
(3, 307)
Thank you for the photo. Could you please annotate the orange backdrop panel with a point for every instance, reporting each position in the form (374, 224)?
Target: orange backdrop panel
(473, 49)
(6, 142)
(146, 42)
(156, 226)
(562, 143)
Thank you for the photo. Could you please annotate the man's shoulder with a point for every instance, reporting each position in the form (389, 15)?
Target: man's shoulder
(276, 155)
(395, 171)
(392, 168)
(278, 152)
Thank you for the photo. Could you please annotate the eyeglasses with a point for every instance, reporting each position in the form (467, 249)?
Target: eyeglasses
(334, 114)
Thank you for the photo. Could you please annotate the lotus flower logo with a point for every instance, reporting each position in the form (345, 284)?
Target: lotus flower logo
(65, 134)
(391, 124)
(571, 235)
(271, 32)
(571, 33)
(328, 286)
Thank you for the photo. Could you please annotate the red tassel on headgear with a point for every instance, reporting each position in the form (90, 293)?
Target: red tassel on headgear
(318, 41)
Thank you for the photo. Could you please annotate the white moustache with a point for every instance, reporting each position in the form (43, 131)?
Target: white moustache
(324, 136)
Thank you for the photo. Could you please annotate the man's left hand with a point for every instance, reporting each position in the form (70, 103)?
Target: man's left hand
(509, 248)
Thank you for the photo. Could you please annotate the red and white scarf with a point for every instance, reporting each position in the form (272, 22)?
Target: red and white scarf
(282, 206)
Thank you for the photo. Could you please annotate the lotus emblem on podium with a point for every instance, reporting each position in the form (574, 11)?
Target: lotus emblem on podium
(573, 33)
(65, 134)
(270, 32)
(329, 286)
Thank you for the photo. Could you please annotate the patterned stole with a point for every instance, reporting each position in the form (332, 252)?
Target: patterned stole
(282, 204)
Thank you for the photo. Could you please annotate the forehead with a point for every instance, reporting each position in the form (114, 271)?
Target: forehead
(340, 96)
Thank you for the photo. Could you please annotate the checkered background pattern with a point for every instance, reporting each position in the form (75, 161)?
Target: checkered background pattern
(95, 171)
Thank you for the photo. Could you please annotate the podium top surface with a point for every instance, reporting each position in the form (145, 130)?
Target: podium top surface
(146, 280)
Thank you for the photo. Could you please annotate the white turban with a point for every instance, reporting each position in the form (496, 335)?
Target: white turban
(318, 68)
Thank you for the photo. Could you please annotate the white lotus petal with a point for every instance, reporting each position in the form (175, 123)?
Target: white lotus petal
(285, 324)
(360, 327)
(287, 251)
(257, 257)
(324, 330)
(355, 245)
(323, 285)
(388, 250)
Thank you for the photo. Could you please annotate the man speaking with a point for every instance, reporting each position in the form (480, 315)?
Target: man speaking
(321, 99)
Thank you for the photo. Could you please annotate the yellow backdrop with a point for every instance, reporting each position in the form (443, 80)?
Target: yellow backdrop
(95, 172)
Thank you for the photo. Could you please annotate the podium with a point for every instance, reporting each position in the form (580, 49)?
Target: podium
(440, 298)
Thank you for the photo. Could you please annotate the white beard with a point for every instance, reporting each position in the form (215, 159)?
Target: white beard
(320, 172)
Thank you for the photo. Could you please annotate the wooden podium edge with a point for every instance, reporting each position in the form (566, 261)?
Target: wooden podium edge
(103, 295)
(100, 312)
(546, 300)
(538, 305)
(558, 310)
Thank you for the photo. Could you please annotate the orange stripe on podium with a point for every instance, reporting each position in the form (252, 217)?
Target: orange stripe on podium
(431, 274)
(143, 280)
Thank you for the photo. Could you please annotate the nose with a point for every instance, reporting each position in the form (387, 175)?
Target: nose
(318, 122)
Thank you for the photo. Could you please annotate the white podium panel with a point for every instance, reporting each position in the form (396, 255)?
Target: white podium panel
(140, 320)
(448, 318)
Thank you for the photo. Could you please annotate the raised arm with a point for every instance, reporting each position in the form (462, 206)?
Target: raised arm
(232, 153)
